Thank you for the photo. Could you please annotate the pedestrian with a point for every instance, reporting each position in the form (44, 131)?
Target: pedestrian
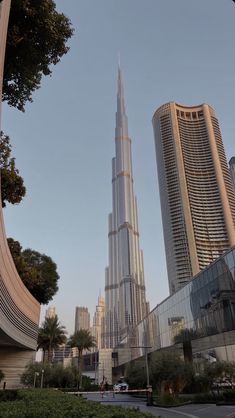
(102, 388)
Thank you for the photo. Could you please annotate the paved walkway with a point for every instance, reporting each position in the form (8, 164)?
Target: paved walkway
(190, 411)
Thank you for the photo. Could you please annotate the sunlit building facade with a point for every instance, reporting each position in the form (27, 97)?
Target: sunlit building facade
(232, 170)
(82, 318)
(50, 312)
(125, 302)
(196, 191)
(98, 323)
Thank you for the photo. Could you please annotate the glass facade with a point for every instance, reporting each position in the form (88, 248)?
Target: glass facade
(200, 317)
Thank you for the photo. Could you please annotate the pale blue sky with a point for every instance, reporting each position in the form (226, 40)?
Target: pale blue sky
(182, 50)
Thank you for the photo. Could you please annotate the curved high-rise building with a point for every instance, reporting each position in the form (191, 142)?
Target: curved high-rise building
(19, 310)
(232, 170)
(125, 302)
(197, 196)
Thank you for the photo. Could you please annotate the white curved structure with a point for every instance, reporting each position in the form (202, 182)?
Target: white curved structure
(125, 302)
(197, 197)
(19, 310)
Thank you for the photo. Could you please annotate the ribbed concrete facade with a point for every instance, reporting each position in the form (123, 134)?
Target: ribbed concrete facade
(98, 323)
(19, 311)
(82, 318)
(125, 302)
(232, 170)
(197, 196)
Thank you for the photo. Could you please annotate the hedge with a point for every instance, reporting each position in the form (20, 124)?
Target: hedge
(48, 403)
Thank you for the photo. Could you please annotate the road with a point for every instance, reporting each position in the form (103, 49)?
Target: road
(190, 411)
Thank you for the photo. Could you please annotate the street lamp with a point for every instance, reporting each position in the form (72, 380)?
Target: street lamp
(149, 387)
(35, 377)
(42, 375)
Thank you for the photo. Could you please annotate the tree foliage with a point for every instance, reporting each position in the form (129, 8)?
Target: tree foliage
(37, 271)
(53, 375)
(82, 340)
(37, 37)
(51, 335)
(169, 372)
(12, 184)
(136, 374)
(218, 371)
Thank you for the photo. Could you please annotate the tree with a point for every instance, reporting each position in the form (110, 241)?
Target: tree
(170, 372)
(37, 37)
(37, 271)
(50, 336)
(82, 340)
(54, 375)
(12, 184)
(218, 371)
(136, 374)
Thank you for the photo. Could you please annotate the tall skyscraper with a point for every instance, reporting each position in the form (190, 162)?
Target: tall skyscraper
(125, 302)
(232, 170)
(197, 197)
(50, 312)
(82, 318)
(98, 323)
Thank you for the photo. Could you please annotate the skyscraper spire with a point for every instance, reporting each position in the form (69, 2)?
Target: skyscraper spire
(125, 302)
(121, 118)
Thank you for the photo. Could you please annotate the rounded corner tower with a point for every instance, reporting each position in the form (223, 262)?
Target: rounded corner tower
(196, 193)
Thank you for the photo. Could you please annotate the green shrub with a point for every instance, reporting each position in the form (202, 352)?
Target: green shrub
(229, 395)
(207, 397)
(55, 404)
(8, 395)
(54, 375)
(169, 400)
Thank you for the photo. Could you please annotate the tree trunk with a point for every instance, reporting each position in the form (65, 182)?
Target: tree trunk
(50, 354)
(80, 368)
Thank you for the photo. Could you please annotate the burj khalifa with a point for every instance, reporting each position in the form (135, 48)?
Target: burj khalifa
(125, 300)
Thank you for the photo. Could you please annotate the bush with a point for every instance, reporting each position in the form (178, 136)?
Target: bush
(168, 399)
(8, 395)
(229, 395)
(208, 397)
(55, 375)
(55, 404)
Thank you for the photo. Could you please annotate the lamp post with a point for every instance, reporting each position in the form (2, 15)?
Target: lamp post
(96, 363)
(35, 377)
(42, 375)
(149, 387)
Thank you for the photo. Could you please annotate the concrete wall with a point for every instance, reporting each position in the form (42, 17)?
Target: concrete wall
(13, 362)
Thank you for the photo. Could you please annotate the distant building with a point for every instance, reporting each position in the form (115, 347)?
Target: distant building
(232, 170)
(82, 318)
(196, 191)
(98, 323)
(50, 312)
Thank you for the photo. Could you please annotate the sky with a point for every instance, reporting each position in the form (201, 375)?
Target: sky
(180, 50)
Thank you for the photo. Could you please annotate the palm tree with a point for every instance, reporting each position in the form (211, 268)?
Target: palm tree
(50, 336)
(83, 340)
